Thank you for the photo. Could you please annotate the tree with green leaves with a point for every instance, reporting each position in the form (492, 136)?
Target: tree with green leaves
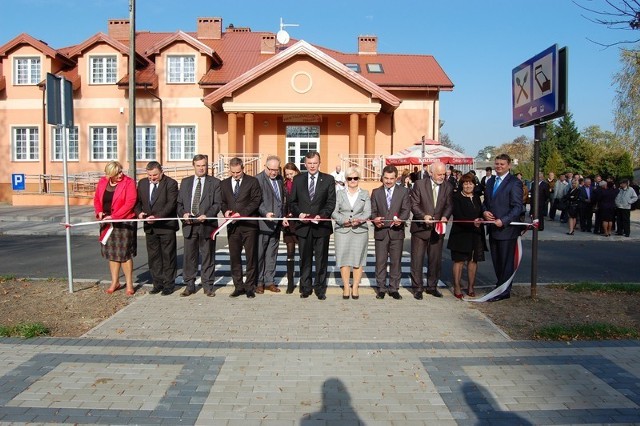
(627, 111)
(564, 134)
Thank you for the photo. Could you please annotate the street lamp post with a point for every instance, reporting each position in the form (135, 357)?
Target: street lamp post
(131, 146)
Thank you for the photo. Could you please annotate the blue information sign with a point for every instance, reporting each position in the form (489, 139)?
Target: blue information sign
(17, 182)
(535, 86)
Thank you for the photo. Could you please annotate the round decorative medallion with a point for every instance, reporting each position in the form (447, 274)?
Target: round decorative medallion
(301, 82)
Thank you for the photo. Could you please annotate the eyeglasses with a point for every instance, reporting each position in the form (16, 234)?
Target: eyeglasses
(353, 178)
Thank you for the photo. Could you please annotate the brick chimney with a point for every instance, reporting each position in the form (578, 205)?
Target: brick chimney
(210, 28)
(268, 44)
(119, 29)
(367, 45)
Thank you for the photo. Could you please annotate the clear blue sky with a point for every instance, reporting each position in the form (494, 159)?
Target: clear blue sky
(477, 43)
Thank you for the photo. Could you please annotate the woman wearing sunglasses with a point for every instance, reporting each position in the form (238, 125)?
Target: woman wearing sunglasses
(351, 231)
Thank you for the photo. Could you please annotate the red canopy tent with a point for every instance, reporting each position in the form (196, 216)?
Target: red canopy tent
(433, 151)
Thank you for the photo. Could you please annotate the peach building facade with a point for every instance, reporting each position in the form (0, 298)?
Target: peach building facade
(215, 92)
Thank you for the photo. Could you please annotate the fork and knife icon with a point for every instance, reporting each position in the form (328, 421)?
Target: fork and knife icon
(521, 86)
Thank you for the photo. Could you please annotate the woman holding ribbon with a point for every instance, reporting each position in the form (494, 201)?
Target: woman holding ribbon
(289, 227)
(351, 231)
(467, 241)
(115, 198)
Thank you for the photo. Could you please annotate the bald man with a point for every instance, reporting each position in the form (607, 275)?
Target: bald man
(431, 201)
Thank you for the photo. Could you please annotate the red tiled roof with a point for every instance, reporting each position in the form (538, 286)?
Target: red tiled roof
(38, 44)
(144, 78)
(103, 38)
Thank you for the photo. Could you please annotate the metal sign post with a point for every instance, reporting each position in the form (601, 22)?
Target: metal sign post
(539, 94)
(60, 113)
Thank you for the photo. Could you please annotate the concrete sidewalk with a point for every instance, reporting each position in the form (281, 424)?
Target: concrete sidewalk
(278, 359)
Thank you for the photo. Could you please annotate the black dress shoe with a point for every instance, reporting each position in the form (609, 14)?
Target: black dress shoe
(380, 295)
(435, 292)
(304, 295)
(417, 295)
(237, 292)
(502, 296)
(290, 290)
(395, 295)
(322, 297)
(186, 293)
(166, 292)
(155, 291)
(251, 294)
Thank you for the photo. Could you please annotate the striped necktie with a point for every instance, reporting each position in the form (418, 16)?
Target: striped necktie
(388, 198)
(312, 187)
(195, 203)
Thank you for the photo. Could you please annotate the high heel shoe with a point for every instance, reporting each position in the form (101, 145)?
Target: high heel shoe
(459, 296)
(570, 233)
(131, 292)
(111, 290)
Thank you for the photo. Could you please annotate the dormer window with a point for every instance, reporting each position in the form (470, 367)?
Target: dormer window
(353, 67)
(375, 68)
(104, 69)
(27, 71)
(181, 69)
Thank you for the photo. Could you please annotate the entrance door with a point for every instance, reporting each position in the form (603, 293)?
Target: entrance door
(300, 140)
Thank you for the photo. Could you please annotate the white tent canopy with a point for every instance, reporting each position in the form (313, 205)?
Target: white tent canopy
(427, 153)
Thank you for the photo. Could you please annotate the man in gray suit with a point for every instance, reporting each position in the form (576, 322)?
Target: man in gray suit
(431, 201)
(390, 208)
(272, 206)
(198, 199)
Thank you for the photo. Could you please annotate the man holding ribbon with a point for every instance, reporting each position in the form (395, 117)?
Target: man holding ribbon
(503, 204)
(199, 201)
(241, 197)
(157, 198)
(431, 205)
(272, 206)
(313, 197)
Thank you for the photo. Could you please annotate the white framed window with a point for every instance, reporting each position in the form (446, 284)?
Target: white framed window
(103, 69)
(104, 143)
(72, 143)
(182, 142)
(26, 143)
(145, 143)
(181, 69)
(299, 141)
(27, 71)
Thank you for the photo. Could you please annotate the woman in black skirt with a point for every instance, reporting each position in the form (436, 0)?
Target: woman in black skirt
(289, 228)
(466, 240)
(115, 198)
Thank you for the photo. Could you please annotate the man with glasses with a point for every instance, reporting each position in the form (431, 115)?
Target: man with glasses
(313, 197)
(272, 206)
(157, 198)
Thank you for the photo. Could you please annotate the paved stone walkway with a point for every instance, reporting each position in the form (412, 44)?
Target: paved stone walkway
(281, 360)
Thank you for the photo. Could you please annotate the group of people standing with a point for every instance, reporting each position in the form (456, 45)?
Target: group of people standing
(305, 209)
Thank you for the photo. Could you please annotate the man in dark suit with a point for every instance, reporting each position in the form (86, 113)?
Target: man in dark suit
(241, 196)
(503, 205)
(157, 198)
(431, 201)
(543, 189)
(586, 206)
(390, 208)
(199, 199)
(313, 196)
(271, 186)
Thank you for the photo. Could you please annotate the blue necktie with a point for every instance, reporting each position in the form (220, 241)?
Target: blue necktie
(275, 189)
(496, 184)
(388, 198)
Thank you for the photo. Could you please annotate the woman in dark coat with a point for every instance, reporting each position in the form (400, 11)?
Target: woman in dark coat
(572, 201)
(289, 228)
(466, 240)
(607, 207)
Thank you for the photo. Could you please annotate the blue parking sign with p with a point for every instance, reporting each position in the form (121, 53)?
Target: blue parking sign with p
(17, 181)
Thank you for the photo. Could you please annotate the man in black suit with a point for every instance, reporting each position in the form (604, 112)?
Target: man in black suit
(241, 196)
(390, 209)
(431, 201)
(313, 196)
(157, 198)
(503, 205)
(199, 199)
(543, 189)
(272, 206)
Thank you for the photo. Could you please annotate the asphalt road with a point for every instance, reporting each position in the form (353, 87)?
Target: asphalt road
(558, 261)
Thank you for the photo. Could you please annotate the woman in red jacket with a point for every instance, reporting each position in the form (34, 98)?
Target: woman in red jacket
(115, 198)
